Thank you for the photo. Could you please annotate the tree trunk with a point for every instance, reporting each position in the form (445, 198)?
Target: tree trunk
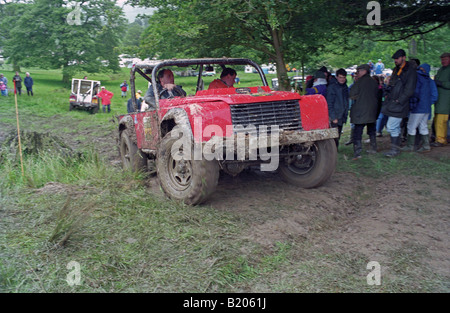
(67, 75)
(279, 59)
(16, 67)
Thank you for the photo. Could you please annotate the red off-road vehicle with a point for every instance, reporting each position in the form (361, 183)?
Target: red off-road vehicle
(193, 138)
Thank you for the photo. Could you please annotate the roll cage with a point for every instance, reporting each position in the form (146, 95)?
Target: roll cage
(152, 68)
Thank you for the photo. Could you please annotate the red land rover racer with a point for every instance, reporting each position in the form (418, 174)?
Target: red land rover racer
(193, 138)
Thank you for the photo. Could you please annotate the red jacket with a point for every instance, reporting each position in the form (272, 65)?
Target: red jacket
(218, 83)
(106, 96)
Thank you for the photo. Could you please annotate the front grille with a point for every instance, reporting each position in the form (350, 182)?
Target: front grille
(284, 114)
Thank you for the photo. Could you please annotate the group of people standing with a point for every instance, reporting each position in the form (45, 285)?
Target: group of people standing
(408, 95)
(28, 82)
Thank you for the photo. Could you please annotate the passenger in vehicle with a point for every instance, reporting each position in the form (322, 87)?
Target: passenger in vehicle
(227, 79)
(166, 88)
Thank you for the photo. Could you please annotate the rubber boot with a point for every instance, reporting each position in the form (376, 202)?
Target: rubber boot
(350, 141)
(395, 147)
(425, 144)
(357, 148)
(409, 144)
(373, 145)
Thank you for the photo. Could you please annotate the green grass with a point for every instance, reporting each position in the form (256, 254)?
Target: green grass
(378, 166)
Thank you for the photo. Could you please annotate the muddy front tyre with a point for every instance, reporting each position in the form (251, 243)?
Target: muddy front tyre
(313, 168)
(183, 178)
(132, 158)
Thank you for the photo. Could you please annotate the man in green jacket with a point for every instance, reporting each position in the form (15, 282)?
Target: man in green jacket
(364, 111)
(442, 106)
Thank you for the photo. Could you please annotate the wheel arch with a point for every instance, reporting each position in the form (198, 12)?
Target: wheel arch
(127, 123)
(176, 117)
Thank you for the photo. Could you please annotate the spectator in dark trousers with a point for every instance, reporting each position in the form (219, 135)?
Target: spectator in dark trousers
(130, 106)
(364, 110)
(28, 81)
(337, 99)
(18, 80)
(396, 105)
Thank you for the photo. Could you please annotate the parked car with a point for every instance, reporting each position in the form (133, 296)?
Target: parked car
(295, 81)
(84, 95)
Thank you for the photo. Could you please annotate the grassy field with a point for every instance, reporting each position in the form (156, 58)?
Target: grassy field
(127, 237)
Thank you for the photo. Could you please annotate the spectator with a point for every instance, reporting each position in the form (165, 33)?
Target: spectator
(166, 88)
(319, 86)
(442, 107)
(138, 94)
(130, 107)
(371, 66)
(106, 96)
(402, 85)
(328, 75)
(5, 82)
(28, 81)
(3, 89)
(364, 109)
(227, 79)
(144, 106)
(124, 88)
(18, 80)
(337, 99)
(379, 67)
(420, 106)
(350, 103)
(309, 81)
(382, 119)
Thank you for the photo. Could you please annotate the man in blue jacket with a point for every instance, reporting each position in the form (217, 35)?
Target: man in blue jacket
(420, 109)
(28, 81)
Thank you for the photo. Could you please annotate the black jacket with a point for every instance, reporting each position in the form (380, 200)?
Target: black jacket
(365, 108)
(337, 99)
(400, 89)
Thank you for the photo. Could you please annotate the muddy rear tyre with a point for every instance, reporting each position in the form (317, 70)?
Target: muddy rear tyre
(313, 169)
(185, 179)
(93, 110)
(132, 158)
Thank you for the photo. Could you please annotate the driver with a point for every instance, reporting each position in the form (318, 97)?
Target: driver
(166, 88)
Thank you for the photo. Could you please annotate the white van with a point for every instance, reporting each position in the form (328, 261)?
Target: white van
(84, 95)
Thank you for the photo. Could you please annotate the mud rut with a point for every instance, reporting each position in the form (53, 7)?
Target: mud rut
(370, 217)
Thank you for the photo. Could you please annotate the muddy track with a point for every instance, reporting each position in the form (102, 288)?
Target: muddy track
(371, 217)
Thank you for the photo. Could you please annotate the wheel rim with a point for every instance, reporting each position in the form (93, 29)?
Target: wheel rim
(303, 163)
(180, 172)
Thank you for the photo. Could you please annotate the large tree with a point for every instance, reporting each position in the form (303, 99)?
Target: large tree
(282, 31)
(53, 34)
